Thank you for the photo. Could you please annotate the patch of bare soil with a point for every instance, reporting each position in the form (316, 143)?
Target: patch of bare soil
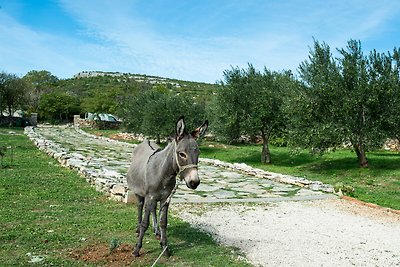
(100, 254)
(123, 136)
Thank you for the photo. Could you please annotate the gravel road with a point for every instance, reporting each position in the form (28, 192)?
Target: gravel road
(329, 232)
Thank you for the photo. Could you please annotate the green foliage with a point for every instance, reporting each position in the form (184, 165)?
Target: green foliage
(388, 76)
(114, 244)
(348, 100)
(314, 107)
(102, 101)
(58, 105)
(103, 92)
(346, 190)
(39, 82)
(13, 93)
(152, 112)
(251, 103)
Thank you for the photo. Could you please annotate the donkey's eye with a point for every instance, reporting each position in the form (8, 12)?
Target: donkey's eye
(182, 155)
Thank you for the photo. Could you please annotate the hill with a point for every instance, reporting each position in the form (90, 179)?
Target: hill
(91, 79)
(110, 92)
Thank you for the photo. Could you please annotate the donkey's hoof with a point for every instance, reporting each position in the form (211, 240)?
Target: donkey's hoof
(167, 253)
(136, 252)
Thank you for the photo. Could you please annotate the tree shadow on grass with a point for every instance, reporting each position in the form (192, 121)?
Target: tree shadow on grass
(251, 154)
(379, 164)
(337, 163)
(387, 154)
(200, 247)
(188, 238)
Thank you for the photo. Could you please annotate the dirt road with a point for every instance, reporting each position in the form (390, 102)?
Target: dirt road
(330, 232)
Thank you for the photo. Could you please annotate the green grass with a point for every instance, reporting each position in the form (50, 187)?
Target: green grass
(380, 183)
(50, 211)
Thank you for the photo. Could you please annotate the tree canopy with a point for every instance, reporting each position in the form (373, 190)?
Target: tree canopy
(347, 100)
(12, 93)
(58, 106)
(39, 82)
(250, 102)
(152, 112)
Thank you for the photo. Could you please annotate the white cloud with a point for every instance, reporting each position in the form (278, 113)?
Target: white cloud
(142, 49)
(118, 38)
(27, 49)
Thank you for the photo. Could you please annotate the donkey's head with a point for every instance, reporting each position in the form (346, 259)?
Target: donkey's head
(187, 152)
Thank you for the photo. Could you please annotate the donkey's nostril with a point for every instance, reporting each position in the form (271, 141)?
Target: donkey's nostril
(194, 184)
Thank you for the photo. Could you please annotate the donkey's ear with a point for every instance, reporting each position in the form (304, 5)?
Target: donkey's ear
(180, 128)
(200, 131)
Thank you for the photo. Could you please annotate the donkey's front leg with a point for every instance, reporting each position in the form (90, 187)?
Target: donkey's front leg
(156, 229)
(149, 206)
(163, 226)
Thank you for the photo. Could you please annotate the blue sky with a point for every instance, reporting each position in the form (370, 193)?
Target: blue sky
(187, 39)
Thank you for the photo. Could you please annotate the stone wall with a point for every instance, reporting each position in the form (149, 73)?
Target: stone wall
(111, 183)
(392, 145)
(277, 177)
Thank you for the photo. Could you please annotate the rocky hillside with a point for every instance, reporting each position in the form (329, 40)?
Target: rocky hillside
(195, 88)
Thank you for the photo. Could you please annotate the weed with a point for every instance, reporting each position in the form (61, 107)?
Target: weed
(114, 244)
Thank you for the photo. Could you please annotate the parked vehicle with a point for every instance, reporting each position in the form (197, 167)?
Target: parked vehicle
(101, 117)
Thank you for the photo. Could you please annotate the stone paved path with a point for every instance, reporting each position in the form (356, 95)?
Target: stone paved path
(108, 160)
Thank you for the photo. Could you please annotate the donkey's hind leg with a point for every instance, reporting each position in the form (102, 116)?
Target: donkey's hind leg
(149, 205)
(163, 226)
(140, 201)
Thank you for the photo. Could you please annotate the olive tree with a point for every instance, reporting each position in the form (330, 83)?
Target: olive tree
(389, 76)
(152, 112)
(13, 92)
(39, 82)
(58, 105)
(342, 101)
(250, 102)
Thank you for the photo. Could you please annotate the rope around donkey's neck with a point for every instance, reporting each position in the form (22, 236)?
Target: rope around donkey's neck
(182, 167)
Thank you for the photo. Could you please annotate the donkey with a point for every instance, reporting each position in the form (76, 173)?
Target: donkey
(152, 177)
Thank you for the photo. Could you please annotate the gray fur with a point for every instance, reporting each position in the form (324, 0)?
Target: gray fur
(152, 177)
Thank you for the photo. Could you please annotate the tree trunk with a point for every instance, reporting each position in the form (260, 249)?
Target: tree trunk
(158, 139)
(265, 154)
(362, 159)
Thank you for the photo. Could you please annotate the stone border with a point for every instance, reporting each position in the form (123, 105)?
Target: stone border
(110, 183)
(277, 177)
(113, 184)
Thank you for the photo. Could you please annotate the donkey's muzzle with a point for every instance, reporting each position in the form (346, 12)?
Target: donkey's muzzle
(191, 176)
(193, 184)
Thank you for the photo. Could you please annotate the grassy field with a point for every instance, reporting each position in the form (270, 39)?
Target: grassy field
(380, 183)
(49, 212)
